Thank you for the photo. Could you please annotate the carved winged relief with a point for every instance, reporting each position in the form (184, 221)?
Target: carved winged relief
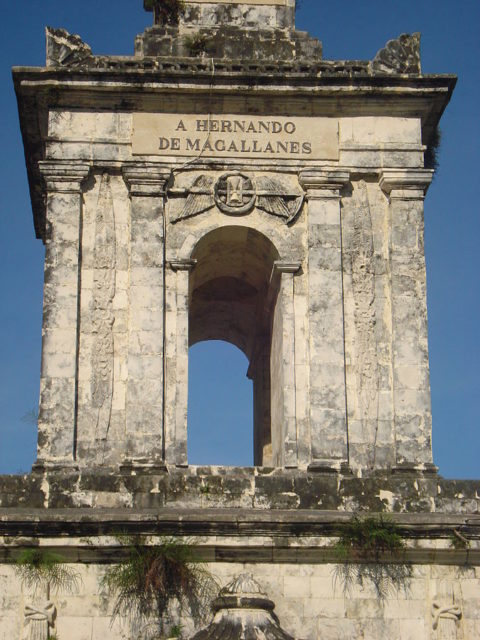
(274, 198)
(200, 198)
(236, 194)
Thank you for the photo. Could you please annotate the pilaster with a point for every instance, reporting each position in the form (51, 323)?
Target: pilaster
(57, 424)
(405, 190)
(177, 452)
(283, 412)
(328, 417)
(145, 386)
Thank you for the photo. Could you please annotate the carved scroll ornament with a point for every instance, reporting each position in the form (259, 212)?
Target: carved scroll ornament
(447, 612)
(66, 50)
(399, 56)
(38, 619)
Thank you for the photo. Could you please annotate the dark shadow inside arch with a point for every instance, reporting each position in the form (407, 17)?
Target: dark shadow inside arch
(232, 297)
(220, 406)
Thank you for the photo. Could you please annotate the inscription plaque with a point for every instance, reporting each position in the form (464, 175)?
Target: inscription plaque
(235, 136)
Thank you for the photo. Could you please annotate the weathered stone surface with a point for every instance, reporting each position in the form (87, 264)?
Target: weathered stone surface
(321, 611)
(254, 488)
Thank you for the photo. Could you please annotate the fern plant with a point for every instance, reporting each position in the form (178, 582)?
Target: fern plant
(196, 44)
(166, 12)
(372, 549)
(152, 578)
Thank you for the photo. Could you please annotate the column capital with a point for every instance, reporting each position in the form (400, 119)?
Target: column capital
(406, 184)
(64, 177)
(146, 180)
(316, 182)
(182, 265)
(286, 267)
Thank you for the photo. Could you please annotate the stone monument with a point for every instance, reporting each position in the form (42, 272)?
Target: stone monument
(226, 182)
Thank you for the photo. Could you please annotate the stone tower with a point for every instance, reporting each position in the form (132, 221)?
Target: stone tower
(254, 204)
(226, 182)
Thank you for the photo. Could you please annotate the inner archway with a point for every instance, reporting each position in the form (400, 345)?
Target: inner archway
(232, 297)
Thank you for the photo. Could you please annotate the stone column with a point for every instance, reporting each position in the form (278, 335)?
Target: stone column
(176, 451)
(145, 382)
(411, 385)
(57, 422)
(283, 408)
(328, 415)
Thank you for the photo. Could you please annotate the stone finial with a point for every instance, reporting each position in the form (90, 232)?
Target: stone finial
(399, 56)
(242, 610)
(65, 49)
(243, 584)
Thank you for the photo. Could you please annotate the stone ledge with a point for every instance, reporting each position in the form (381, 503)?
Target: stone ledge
(255, 488)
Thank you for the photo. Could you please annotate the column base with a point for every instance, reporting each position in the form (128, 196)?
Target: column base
(41, 466)
(134, 466)
(329, 466)
(426, 468)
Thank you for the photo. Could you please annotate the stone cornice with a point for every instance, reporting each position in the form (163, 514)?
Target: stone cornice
(279, 529)
(291, 71)
(410, 180)
(41, 89)
(146, 180)
(64, 177)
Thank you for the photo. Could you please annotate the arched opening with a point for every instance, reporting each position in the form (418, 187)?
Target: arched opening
(232, 297)
(219, 421)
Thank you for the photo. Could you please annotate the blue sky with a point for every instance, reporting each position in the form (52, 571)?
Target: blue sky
(220, 400)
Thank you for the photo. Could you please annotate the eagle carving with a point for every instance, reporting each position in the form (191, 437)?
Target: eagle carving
(236, 194)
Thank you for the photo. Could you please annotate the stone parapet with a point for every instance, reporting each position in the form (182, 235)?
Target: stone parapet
(229, 42)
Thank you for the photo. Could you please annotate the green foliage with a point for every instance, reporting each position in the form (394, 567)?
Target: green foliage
(166, 11)
(431, 154)
(155, 577)
(196, 44)
(38, 568)
(372, 549)
(175, 631)
(459, 542)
